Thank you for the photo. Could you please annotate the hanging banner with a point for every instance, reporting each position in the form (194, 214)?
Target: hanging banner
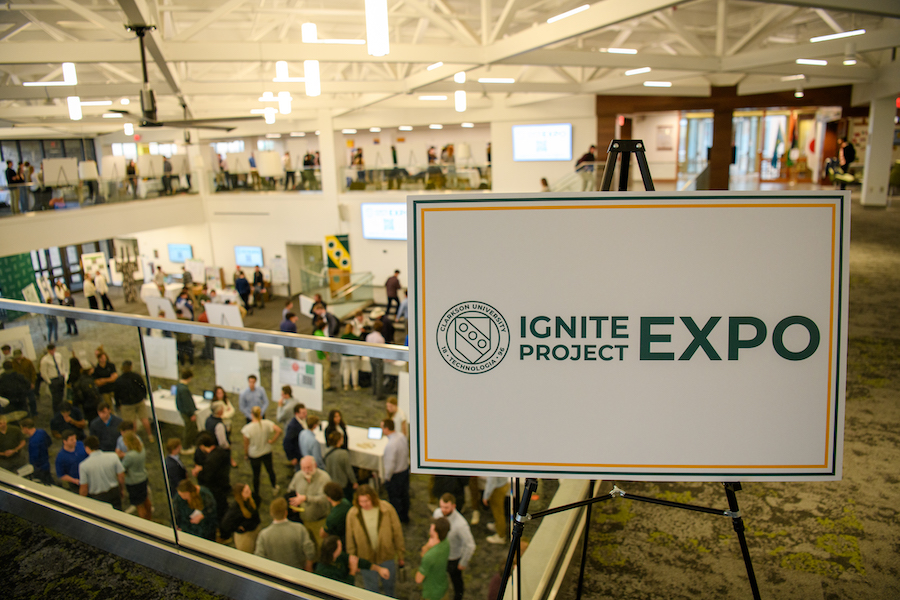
(696, 337)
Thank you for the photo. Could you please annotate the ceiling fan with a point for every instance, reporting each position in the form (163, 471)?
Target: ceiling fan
(148, 100)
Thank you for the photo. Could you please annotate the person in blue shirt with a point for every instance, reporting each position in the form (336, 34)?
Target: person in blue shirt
(309, 445)
(106, 427)
(68, 459)
(253, 396)
(38, 450)
(243, 289)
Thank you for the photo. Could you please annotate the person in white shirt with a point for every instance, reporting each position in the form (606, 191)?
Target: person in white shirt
(103, 290)
(90, 292)
(396, 469)
(396, 414)
(462, 544)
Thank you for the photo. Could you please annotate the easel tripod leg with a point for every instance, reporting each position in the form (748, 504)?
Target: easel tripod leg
(517, 528)
(584, 542)
(738, 522)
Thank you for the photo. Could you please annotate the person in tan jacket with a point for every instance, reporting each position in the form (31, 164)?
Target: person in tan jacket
(374, 533)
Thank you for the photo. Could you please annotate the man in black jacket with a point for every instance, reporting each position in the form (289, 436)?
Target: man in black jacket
(212, 470)
(14, 387)
(291, 443)
(130, 393)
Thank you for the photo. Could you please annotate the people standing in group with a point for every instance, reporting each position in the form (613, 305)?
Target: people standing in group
(337, 463)
(306, 491)
(212, 469)
(184, 404)
(130, 393)
(284, 541)
(24, 367)
(90, 291)
(286, 404)
(289, 324)
(175, 469)
(105, 427)
(293, 429)
(39, 443)
(216, 426)
(396, 469)
(135, 463)
(462, 543)
(322, 357)
(68, 458)
(14, 387)
(14, 184)
(195, 510)
(71, 324)
(259, 435)
(103, 290)
(52, 326)
(374, 533)
(185, 305)
(54, 373)
(336, 521)
(242, 286)
(289, 172)
(68, 418)
(495, 494)
(309, 445)
(219, 395)
(350, 362)
(105, 377)
(60, 288)
(101, 474)
(336, 424)
(392, 286)
(252, 396)
(84, 391)
(12, 443)
(320, 311)
(846, 156)
(242, 520)
(396, 414)
(377, 364)
(432, 573)
(336, 564)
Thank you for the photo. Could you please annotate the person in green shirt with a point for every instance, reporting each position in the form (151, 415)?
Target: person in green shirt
(336, 523)
(432, 573)
(336, 564)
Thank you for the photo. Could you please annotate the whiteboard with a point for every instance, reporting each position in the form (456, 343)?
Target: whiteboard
(196, 268)
(179, 164)
(304, 378)
(60, 171)
(224, 314)
(150, 166)
(238, 162)
(161, 356)
(87, 170)
(113, 168)
(154, 305)
(269, 164)
(18, 337)
(279, 270)
(233, 367)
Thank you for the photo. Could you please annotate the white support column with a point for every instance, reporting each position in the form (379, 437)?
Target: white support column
(878, 151)
(327, 154)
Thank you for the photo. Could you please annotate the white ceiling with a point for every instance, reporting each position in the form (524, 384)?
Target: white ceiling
(218, 57)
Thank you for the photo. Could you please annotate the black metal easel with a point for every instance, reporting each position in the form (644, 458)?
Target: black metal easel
(623, 148)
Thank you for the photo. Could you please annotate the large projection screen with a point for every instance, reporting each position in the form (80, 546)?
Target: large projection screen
(551, 142)
(643, 336)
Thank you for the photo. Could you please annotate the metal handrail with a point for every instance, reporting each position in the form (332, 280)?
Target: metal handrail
(293, 340)
(352, 287)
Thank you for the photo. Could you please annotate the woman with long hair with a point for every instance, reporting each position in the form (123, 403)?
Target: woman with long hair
(259, 435)
(388, 548)
(336, 564)
(336, 423)
(134, 461)
(219, 395)
(242, 518)
(195, 510)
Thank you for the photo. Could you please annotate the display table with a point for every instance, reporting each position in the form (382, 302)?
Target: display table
(364, 453)
(391, 367)
(230, 295)
(166, 412)
(151, 290)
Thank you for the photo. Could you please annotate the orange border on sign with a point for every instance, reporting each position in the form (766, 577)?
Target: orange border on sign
(833, 208)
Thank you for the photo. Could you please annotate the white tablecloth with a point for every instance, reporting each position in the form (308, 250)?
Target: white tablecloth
(151, 290)
(391, 367)
(364, 453)
(166, 412)
(230, 295)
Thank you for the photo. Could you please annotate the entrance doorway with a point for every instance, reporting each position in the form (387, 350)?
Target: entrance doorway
(305, 265)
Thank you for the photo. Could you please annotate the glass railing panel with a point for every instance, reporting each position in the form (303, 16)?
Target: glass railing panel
(417, 177)
(306, 179)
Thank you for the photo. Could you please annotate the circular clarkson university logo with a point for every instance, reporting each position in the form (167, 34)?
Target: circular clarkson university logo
(473, 337)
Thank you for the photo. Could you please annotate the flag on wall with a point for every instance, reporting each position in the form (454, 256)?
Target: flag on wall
(778, 142)
(338, 249)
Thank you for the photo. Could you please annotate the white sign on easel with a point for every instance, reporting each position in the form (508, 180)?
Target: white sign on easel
(18, 338)
(269, 164)
(224, 314)
(30, 293)
(280, 273)
(196, 268)
(158, 305)
(46, 289)
(233, 367)
(162, 357)
(87, 171)
(60, 171)
(150, 166)
(113, 168)
(213, 281)
(179, 164)
(304, 378)
(238, 163)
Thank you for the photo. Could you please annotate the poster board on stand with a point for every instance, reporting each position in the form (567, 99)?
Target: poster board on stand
(113, 168)
(157, 305)
(150, 166)
(304, 378)
(30, 293)
(179, 164)
(60, 171)
(197, 269)
(238, 163)
(224, 314)
(233, 367)
(269, 164)
(87, 171)
(162, 357)
(213, 279)
(19, 338)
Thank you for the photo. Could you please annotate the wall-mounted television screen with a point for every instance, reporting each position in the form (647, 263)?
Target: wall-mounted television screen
(248, 256)
(542, 142)
(383, 221)
(178, 253)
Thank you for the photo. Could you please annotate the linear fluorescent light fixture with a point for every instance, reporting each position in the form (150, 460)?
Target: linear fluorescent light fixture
(309, 33)
(467, 125)
(811, 61)
(460, 77)
(273, 136)
(377, 30)
(435, 126)
(837, 36)
(311, 76)
(850, 54)
(124, 101)
(74, 103)
(637, 71)
(433, 98)
(621, 50)
(348, 131)
(111, 115)
(659, 84)
(569, 13)
(374, 129)
(496, 80)
(129, 129)
(436, 65)
(97, 103)
(69, 78)
(283, 76)
(798, 77)
(298, 134)
(459, 100)
(405, 128)
(284, 103)
(343, 42)
(268, 97)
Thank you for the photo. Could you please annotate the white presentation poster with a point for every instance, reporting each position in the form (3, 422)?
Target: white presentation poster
(18, 337)
(94, 262)
(238, 163)
(696, 336)
(197, 269)
(87, 171)
(46, 288)
(30, 293)
(304, 378)
(155, 306)
(269, 164)
(60, 171)
(180, 164)
(113, 168)
(224, 314)
(279, 267)
(150, 166)
(162, 357)
(213, 280)
(306, 305)
(115, 276)
(233, 367)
